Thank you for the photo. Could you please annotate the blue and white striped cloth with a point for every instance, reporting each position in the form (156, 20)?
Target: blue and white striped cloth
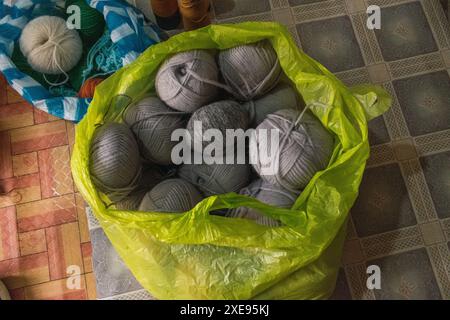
(128, 28)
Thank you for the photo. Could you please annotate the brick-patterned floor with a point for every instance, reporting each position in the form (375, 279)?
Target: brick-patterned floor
(43, 227)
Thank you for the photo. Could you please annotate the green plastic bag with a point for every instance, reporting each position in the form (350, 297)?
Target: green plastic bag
(200, 256)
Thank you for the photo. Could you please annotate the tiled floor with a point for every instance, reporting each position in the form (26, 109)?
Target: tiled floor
(44, 239)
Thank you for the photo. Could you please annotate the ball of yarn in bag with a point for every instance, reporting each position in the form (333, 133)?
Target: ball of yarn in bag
(172, 195)
(213, 179)
(221, 115)
(183, 81)
(153, 122)
(114, 162)
(305, 147)
(250, 70)
(92, 23)
(87, 90)
(281, 97)
(267, 193)
(50, 47)
(132, 201)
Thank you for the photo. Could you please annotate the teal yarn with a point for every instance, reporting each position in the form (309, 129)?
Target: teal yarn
(305, 147)
(250, 70)
(216, 178)
(283, 96)
(114, 161)
(92, 21)
(267, 193)
(172, 195)
(188, 80)
(48, 9)
(152, 122)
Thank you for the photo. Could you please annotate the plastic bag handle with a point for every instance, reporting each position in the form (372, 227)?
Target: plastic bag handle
(374, 99)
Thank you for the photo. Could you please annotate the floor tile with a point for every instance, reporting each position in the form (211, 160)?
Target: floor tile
(16, 115)
(231, 8)
(86, 251)
(82, 218)
(56, 290)
(405, 32)
(407, 276)
(383, 203)
(63, 242)
(436, 169)
(25, 271)
(25, 163)
(55, 173)
(46, 213)
(6, 168)
(38, 137)
(9, 247)
(425, 101)
(21, 189)
(332, 42)
(32, 242)
(91, 286)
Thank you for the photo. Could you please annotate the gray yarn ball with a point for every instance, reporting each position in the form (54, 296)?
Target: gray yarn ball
(305, 148)
(172, 195)
(268, 194)
(281, 97)
(184, 81)
(221, 115)
(250, 70)
(114, 162)
(216, 178)
(153, 122)
(132, 201)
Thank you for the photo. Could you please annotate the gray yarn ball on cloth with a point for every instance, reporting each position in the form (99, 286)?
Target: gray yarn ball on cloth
(305, 147)
(250, 70)
(283, 96)
(172, 195)
(267, 193)
(152, 122)
(213, 179)
(185, 81)
(221, 115)
(114, 161)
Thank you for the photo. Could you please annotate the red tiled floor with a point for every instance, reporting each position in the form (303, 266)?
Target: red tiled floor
(43, 226)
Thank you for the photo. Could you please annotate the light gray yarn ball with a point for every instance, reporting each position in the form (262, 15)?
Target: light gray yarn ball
(250, 70)
(216, 178)
(114, 162)
(305, 148)
(267, 193)
(221, 115)
(283, 96)
(153, 122)
(172, 195)
(183, 81)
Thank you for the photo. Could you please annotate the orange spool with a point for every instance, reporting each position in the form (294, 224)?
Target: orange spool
(88, 88)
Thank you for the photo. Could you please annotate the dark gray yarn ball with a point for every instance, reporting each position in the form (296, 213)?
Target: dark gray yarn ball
(172, 195)
(184, 81)
(153, 122)
(132, 201)
(306, 148)
(267, 193)
(221, 115)
(250, 70)
(216, 178)
(114, 162)
(283, 96)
